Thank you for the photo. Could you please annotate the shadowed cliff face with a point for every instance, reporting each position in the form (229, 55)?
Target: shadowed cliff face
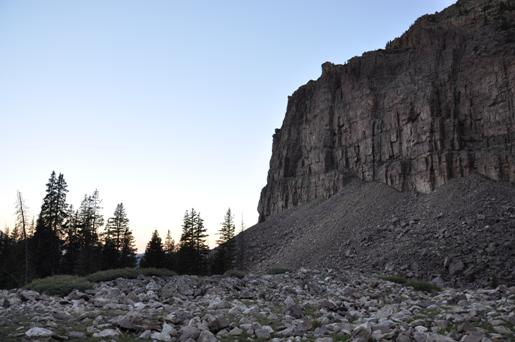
(437, 103)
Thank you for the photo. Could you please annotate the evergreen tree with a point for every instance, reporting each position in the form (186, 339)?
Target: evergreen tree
(72, 244)
(116, 226)
(193, 247)
(226, 232)
(224, 255)
(46, 245)
(115, 230)
(90, 220)
(9, 262)
(169, 248)
(15, 233)
(54, 210)
(128, 251)
(110, 255)
(46, 251)
(154, 253)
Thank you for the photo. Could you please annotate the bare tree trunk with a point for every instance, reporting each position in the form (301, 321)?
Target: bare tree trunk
(240, 264)
(21, 217)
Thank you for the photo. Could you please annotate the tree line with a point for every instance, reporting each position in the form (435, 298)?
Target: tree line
(64, 240)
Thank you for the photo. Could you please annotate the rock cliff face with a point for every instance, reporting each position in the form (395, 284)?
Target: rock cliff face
(436, 103)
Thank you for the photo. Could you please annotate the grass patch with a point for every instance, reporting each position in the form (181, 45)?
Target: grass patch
(417, 284)
(235, 274)
(107, 275)
(128, 273)
(311, 310)
(244, 337)
(59, 285)
(278, 270)
(340, 338)
(158, 272)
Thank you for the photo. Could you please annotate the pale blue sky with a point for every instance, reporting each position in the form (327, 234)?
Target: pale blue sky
(165, 105)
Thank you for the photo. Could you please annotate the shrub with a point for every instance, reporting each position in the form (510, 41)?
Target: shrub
(107, 275)
(160, 272)
(425, 286)
(278, 270)
(417, 284)
(235, 273)
(59, 285)
(395, 279)
(128, 273)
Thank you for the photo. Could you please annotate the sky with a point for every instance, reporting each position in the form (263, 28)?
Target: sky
(165, 105)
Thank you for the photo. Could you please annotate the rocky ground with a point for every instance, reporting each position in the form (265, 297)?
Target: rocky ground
(302, 306)
(462, 234)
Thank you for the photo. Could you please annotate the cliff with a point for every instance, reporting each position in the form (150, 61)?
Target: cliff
(435, 104)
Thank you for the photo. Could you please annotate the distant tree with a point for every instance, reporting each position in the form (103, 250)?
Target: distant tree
(45, 244)
(113, 238)
(116, 226)
(154, 253)
(54, 210)
(72, 244)
(32, 227)
(21, 212)
(170, 252)
(169, 246)
(128, 250)
(90, 220)
(9, 262)
(240, 254)
(191, 257)
(110, 255)
(224, 254)
(15, 233)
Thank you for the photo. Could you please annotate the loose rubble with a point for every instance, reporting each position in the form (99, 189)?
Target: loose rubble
(306, 305)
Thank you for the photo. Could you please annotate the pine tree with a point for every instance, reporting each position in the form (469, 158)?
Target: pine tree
(54, 210)
(46, 251)
(113, 236)
(110, 255)
(128, 250)
(72, 245)
(169, 248)
(226, 232)
(193, 247)
(10, 275)
(154, 253)
(116, 226)
(224, 254)
(46, 245)
(90, 220)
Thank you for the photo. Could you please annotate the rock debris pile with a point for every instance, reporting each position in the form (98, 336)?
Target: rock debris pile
(306, 305)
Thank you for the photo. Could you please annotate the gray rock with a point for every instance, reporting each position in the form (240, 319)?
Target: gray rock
(38, 332)
(456, 266)
(207, 336)
(158, 336)
(106, 333)
(187, 332)
(218, 324)
(235, 332)
(29, 295)
(264, 332)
